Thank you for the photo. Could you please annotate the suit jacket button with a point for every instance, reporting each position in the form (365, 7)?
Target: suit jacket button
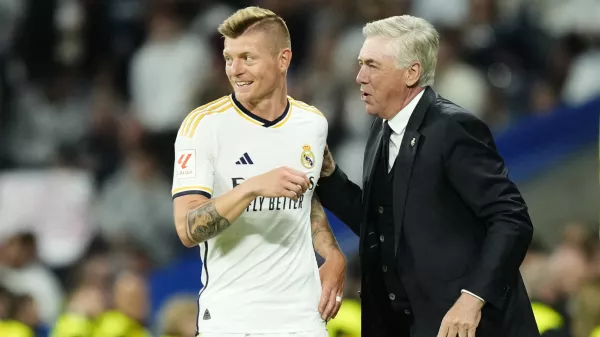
(380, 210)
(392, 296)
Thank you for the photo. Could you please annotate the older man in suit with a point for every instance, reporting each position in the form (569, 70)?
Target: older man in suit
(443, 230)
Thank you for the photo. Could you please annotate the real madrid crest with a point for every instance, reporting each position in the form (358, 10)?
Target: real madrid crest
(307, 158)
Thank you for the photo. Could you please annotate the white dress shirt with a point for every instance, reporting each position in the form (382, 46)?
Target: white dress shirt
(398, 125)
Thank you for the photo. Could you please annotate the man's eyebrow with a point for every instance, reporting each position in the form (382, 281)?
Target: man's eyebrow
(368, 61)
(243, 54)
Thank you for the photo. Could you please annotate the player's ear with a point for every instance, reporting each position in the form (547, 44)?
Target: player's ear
(285, 59)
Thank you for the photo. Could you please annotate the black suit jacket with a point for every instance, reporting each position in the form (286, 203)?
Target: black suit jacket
(460, 222)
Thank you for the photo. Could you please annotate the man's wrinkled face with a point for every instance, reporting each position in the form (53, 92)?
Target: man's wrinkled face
(382, 82)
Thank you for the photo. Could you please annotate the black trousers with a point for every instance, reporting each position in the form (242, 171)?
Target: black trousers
(380, 319)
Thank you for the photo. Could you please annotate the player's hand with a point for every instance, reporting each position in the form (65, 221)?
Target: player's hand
(328, 163)
(280, 182)
(333, 275)
(463, 318)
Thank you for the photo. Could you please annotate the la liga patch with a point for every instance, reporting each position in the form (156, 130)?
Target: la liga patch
(186, 164)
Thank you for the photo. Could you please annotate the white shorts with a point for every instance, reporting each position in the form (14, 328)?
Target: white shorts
(318, 333)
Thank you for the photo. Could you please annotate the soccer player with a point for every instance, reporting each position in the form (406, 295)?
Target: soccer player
(246, 166)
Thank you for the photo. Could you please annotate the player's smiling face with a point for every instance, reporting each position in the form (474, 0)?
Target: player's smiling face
(382, 82)
(253, 68)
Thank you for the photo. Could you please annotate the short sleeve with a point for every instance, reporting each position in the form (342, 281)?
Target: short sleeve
(319, 146)
(194, 166)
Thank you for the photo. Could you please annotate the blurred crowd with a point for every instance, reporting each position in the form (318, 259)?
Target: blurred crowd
(98, 88)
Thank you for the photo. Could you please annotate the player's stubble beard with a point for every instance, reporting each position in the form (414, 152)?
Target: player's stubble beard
(256, 95)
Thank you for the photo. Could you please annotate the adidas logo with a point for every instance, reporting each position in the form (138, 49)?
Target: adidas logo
(206, 315)
(244, 160)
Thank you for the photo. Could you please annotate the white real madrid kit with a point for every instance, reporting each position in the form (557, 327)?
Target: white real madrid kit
(260, 275)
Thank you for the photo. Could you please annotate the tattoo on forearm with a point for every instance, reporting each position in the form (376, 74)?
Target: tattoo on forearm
(204, 223)
(322, 236)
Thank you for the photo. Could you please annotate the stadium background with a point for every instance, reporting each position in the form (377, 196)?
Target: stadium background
(92, 91)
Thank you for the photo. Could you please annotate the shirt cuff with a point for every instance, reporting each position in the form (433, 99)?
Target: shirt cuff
(470, 293)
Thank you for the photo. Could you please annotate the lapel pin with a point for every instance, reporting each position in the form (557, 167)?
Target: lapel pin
(412, 142)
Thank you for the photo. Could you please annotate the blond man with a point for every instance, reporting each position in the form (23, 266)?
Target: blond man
(245, 172)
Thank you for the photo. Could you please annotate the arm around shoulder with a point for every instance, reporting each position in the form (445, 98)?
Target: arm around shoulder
(342, 197)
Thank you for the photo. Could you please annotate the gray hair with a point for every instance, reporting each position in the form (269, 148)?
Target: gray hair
(414, 39)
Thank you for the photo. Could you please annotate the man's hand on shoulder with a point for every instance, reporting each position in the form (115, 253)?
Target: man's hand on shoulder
(328, 163)
(333, 275)
(463, 318)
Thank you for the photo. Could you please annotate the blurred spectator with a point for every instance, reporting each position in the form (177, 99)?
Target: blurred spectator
(206, 22)
(555, 279)
(69, 20)
(25, 310)
(49, 118)
(128, 318)
(23, 275)
(586, 312)
(533, 267)
(90, 298)
(454, 77)
(565, 271)
(134, 208)
(166, 73)
(582, 82)
(88, 314)
(178, 317)
(445, 13)
(104, 144)
(95, 272)
(87, 301)
(6, 299)
(18, 315)
(544, 97)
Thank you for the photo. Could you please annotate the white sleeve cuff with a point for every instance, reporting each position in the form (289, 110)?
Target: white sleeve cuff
(470, 293)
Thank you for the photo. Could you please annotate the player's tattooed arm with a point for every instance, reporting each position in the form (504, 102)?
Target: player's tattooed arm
(204, 222)
(333, 271)
(323, 239)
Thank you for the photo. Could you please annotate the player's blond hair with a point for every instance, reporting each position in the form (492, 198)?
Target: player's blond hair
(259, 19)
(414, 39)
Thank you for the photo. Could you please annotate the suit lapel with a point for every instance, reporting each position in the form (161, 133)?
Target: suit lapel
(405, 160)
(402, 171)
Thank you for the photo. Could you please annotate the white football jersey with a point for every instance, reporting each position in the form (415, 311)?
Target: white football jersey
(260, 275)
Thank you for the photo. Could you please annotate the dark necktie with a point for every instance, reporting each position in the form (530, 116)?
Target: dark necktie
(385, 143)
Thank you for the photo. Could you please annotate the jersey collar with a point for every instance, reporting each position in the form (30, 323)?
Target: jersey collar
(256, 119)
